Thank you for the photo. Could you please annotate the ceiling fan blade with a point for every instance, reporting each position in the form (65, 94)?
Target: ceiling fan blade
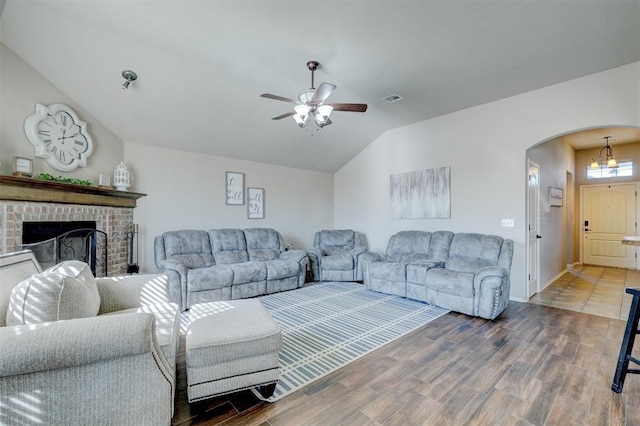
(349, 107)
(278, 98)
(280, 117)
(322, 93)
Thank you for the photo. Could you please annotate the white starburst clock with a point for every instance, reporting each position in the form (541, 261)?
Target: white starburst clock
(59, 136)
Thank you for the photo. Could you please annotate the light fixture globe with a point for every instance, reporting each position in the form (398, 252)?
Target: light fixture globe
(323, 112)
(605, 157)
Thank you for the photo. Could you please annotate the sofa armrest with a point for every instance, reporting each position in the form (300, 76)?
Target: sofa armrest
(72, 343)
(172, 265)
(497, 272)
(372, 256)
(177, 274)
(297, 255)
(48, 372)
(491, 287)
(367, 258)
(315, 254)
(132, 291)
(301, 257)
(357, 252)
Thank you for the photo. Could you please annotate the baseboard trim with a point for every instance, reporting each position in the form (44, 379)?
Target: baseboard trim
(548, 283)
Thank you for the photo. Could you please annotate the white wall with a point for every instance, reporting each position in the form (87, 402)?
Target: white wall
(187, 191)
(486, 149)
(21, 88)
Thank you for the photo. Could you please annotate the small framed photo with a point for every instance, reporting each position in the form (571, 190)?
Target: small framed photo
(104, 180)
(22, 166)
(255, 203)
(235, 188)
(555, 197)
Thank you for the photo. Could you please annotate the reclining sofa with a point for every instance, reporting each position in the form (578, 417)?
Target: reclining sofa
(465, 272)
(84, 351)
(224, 264)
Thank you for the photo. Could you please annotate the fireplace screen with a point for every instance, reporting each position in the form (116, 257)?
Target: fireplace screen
(84, 244)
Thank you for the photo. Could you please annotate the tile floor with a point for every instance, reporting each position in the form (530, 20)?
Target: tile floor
(595, 290)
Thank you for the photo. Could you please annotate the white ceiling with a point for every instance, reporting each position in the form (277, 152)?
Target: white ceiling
(203, 64)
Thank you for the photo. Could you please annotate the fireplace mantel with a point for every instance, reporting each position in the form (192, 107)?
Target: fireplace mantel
(42, 191)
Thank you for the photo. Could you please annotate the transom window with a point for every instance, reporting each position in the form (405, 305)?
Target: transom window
(624, 169)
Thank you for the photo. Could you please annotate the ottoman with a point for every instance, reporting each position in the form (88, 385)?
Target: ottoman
(231, 346)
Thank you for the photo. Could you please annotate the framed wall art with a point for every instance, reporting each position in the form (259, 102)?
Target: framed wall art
(235, 188)
(555, 197)
(22, 166)
(424, 194)
(255, 203)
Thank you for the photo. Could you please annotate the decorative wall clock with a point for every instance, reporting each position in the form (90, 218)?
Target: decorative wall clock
(59, 136)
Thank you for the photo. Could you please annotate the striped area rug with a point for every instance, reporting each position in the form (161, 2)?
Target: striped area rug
(328, 325)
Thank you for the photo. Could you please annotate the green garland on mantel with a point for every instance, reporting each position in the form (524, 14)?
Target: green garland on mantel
(73, 181)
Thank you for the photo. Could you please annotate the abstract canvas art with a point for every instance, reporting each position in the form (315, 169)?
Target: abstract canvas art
(424, 194)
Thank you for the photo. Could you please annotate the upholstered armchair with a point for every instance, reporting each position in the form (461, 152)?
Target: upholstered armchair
(335, 255)
(66, 357)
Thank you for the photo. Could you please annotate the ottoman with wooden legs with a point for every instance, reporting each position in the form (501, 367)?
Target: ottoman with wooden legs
(231, 346)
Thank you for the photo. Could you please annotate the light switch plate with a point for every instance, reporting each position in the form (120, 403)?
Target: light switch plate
(508, 223)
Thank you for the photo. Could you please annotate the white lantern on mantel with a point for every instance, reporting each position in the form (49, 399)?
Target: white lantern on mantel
(121, 177)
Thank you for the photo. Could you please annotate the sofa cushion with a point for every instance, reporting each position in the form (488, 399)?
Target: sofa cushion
(391, 271)
(413, 258)
(189, 247)
(476, 245)
(338, 262)
(65, 291)
(228, 246)
(213, 277)
(408, 243)
(336, 241)
(450, 282)
(263, 243)
(440, 243)
(248, 272)
(466, 264)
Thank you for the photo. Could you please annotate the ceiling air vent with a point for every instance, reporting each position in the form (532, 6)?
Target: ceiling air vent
(392, 98)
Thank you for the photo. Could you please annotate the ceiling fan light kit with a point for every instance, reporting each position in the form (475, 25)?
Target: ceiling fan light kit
(310, 103)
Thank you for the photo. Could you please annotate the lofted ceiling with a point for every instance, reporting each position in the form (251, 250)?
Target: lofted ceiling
(203, 64)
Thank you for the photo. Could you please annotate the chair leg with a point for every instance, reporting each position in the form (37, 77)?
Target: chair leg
(626, 348)
(267, 390)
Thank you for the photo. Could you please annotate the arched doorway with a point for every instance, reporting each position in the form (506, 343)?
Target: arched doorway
(564, 162)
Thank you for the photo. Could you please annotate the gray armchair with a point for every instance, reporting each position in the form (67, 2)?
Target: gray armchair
(335, 255)
(110, 368)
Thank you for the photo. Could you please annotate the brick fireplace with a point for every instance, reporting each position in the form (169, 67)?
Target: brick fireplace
(28, 200)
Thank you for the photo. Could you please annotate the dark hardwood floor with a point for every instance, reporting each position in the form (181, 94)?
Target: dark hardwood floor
(534, 365)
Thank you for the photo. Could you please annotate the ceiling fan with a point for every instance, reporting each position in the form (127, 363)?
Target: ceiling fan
(310, 103)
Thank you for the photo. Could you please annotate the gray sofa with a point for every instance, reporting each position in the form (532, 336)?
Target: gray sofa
(92, 369)
(224, 264)
(335, 255)
(464, 272)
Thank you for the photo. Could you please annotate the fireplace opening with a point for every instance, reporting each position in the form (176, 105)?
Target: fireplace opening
(53, 242)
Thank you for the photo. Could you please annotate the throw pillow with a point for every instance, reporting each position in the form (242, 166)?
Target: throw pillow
(65, 291)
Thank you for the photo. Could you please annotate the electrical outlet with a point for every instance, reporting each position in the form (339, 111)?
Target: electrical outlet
(508, 223)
